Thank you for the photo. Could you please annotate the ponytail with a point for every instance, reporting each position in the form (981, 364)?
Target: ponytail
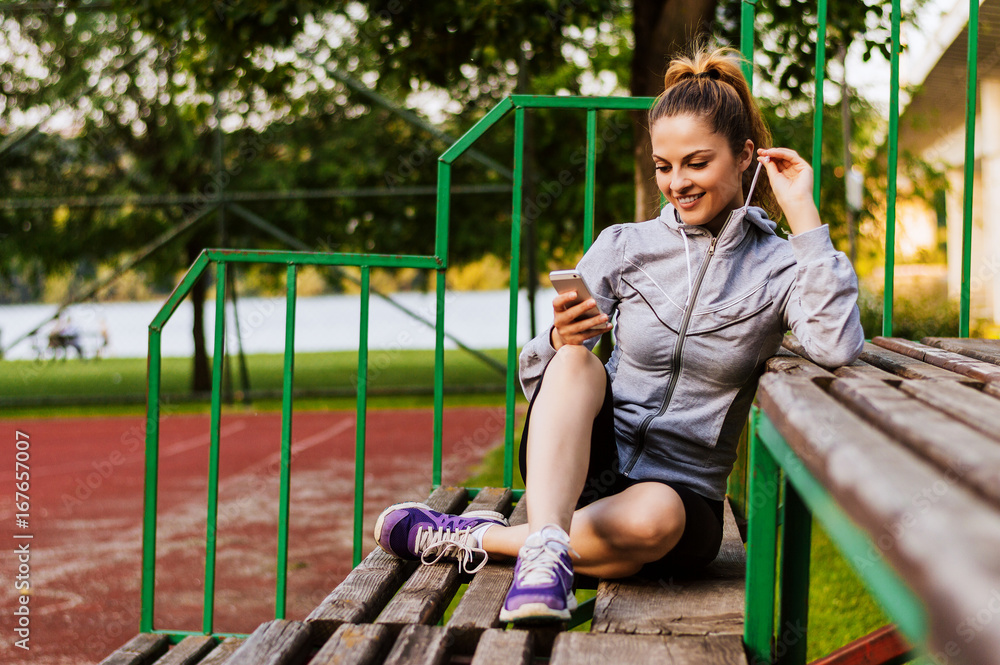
(710, 85)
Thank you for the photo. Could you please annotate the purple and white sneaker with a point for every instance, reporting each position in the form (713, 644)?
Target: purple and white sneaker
(543, 579)
(415, 532)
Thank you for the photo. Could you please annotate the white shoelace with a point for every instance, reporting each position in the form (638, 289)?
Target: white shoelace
(537, 567)
(441, 543)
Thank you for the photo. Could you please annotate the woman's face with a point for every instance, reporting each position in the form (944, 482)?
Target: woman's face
(697, 171)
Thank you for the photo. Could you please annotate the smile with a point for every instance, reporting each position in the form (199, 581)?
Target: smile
(684, 200)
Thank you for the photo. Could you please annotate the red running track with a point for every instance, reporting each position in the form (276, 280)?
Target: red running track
(85, 517)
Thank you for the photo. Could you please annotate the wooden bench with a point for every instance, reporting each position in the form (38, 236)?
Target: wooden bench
(898, 455)
(390, 611)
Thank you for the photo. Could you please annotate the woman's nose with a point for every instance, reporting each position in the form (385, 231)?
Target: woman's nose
(679, 182)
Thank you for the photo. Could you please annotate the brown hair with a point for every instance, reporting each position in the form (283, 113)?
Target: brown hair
(710, 85)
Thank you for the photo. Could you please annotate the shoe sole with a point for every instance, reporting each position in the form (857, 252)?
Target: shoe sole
(537, 612)
(492, 514)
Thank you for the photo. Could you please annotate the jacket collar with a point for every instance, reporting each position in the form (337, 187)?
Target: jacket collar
(734, 234)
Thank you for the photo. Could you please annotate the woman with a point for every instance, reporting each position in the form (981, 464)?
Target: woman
(626, 465)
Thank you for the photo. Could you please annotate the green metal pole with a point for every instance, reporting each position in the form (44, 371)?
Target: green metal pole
(288, 384)
(972, 67)
(762, 534)
(147, 602)
(747, 14)
(890, 217)
(515, 275)
(360, 429)
(796, 537)
(438, 380)
(817, 156)
(591, 180)
(218, 355)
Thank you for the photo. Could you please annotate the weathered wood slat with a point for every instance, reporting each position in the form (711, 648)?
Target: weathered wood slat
(604, 648)
(277, 642)
(223, 651)
(425, 596)
(503, 647)
(188, 651)
(910, 368)
(520, 514)
(955, 362)
(141, 649)
(708, 603)
(859, 369)
(905, 505)
(797, 366)
(979, 411)
(987, 350)
(420, 645)
(963, 454)
(357, 644)
(367, 588)
(479, 608)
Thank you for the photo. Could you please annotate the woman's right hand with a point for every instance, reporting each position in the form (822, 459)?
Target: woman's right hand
(566, 329)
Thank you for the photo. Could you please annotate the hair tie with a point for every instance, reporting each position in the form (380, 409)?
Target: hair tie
(709, 74)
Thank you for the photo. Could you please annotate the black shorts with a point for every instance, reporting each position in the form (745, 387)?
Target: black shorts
(702, 537)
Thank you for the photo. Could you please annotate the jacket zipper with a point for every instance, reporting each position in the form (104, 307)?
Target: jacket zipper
(640, 442)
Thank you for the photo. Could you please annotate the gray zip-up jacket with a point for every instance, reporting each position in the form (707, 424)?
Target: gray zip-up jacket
(695, 319)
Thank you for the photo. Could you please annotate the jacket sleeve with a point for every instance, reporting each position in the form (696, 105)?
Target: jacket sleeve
(822, 307)
(601, 270)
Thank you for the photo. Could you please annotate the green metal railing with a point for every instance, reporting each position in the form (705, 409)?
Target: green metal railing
(765, 444)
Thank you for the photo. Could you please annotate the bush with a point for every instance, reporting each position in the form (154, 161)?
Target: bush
(912, 318)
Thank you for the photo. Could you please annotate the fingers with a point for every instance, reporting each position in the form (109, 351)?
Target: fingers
(568, 322)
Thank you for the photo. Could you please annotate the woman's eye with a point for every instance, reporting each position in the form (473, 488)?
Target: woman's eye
(662, 169)
(699, 165)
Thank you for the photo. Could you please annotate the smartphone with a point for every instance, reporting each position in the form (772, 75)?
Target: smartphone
(571, 280)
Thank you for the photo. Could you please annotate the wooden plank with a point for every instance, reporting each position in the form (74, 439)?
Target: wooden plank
(939, 537)
(141, 649)
(366, 589)
(710, 602)
(797, 366)
(859, 369)
(503, 647)
(425, 596)
(955, 362)
(604, 648)
(278, 642)
(222, 653)
(420, 645)
(188, 651)
(358, 644)
(979, 411)
(520, 514)
(479, 608)
(910, 368)
(963, 454)
(987, 350)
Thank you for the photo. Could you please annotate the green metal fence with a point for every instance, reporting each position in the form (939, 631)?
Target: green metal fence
(760, 629)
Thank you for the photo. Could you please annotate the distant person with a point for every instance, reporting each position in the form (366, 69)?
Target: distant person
(626, 464)
(105, 339)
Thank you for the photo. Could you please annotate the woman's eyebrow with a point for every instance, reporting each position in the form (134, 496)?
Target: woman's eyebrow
(708, 152)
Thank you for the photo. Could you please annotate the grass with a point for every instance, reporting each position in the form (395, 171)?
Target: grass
(323, 380)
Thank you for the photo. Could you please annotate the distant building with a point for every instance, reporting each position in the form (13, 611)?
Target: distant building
(933, 126)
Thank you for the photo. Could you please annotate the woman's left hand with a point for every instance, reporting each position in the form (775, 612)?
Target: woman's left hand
(791, 180)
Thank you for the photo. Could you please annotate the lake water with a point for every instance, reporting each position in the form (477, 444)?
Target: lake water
(323, 323)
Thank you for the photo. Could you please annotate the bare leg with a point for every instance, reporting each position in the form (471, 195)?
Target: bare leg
(614, 536)
(562, 418)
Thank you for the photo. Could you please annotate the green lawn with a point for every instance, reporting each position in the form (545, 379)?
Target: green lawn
(323, 380)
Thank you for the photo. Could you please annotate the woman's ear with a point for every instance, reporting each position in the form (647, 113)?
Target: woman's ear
(746, 155)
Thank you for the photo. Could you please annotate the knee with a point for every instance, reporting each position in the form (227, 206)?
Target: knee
(657, 529)
(576, 359)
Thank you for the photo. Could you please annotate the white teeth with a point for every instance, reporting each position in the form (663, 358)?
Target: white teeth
(689, 199)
